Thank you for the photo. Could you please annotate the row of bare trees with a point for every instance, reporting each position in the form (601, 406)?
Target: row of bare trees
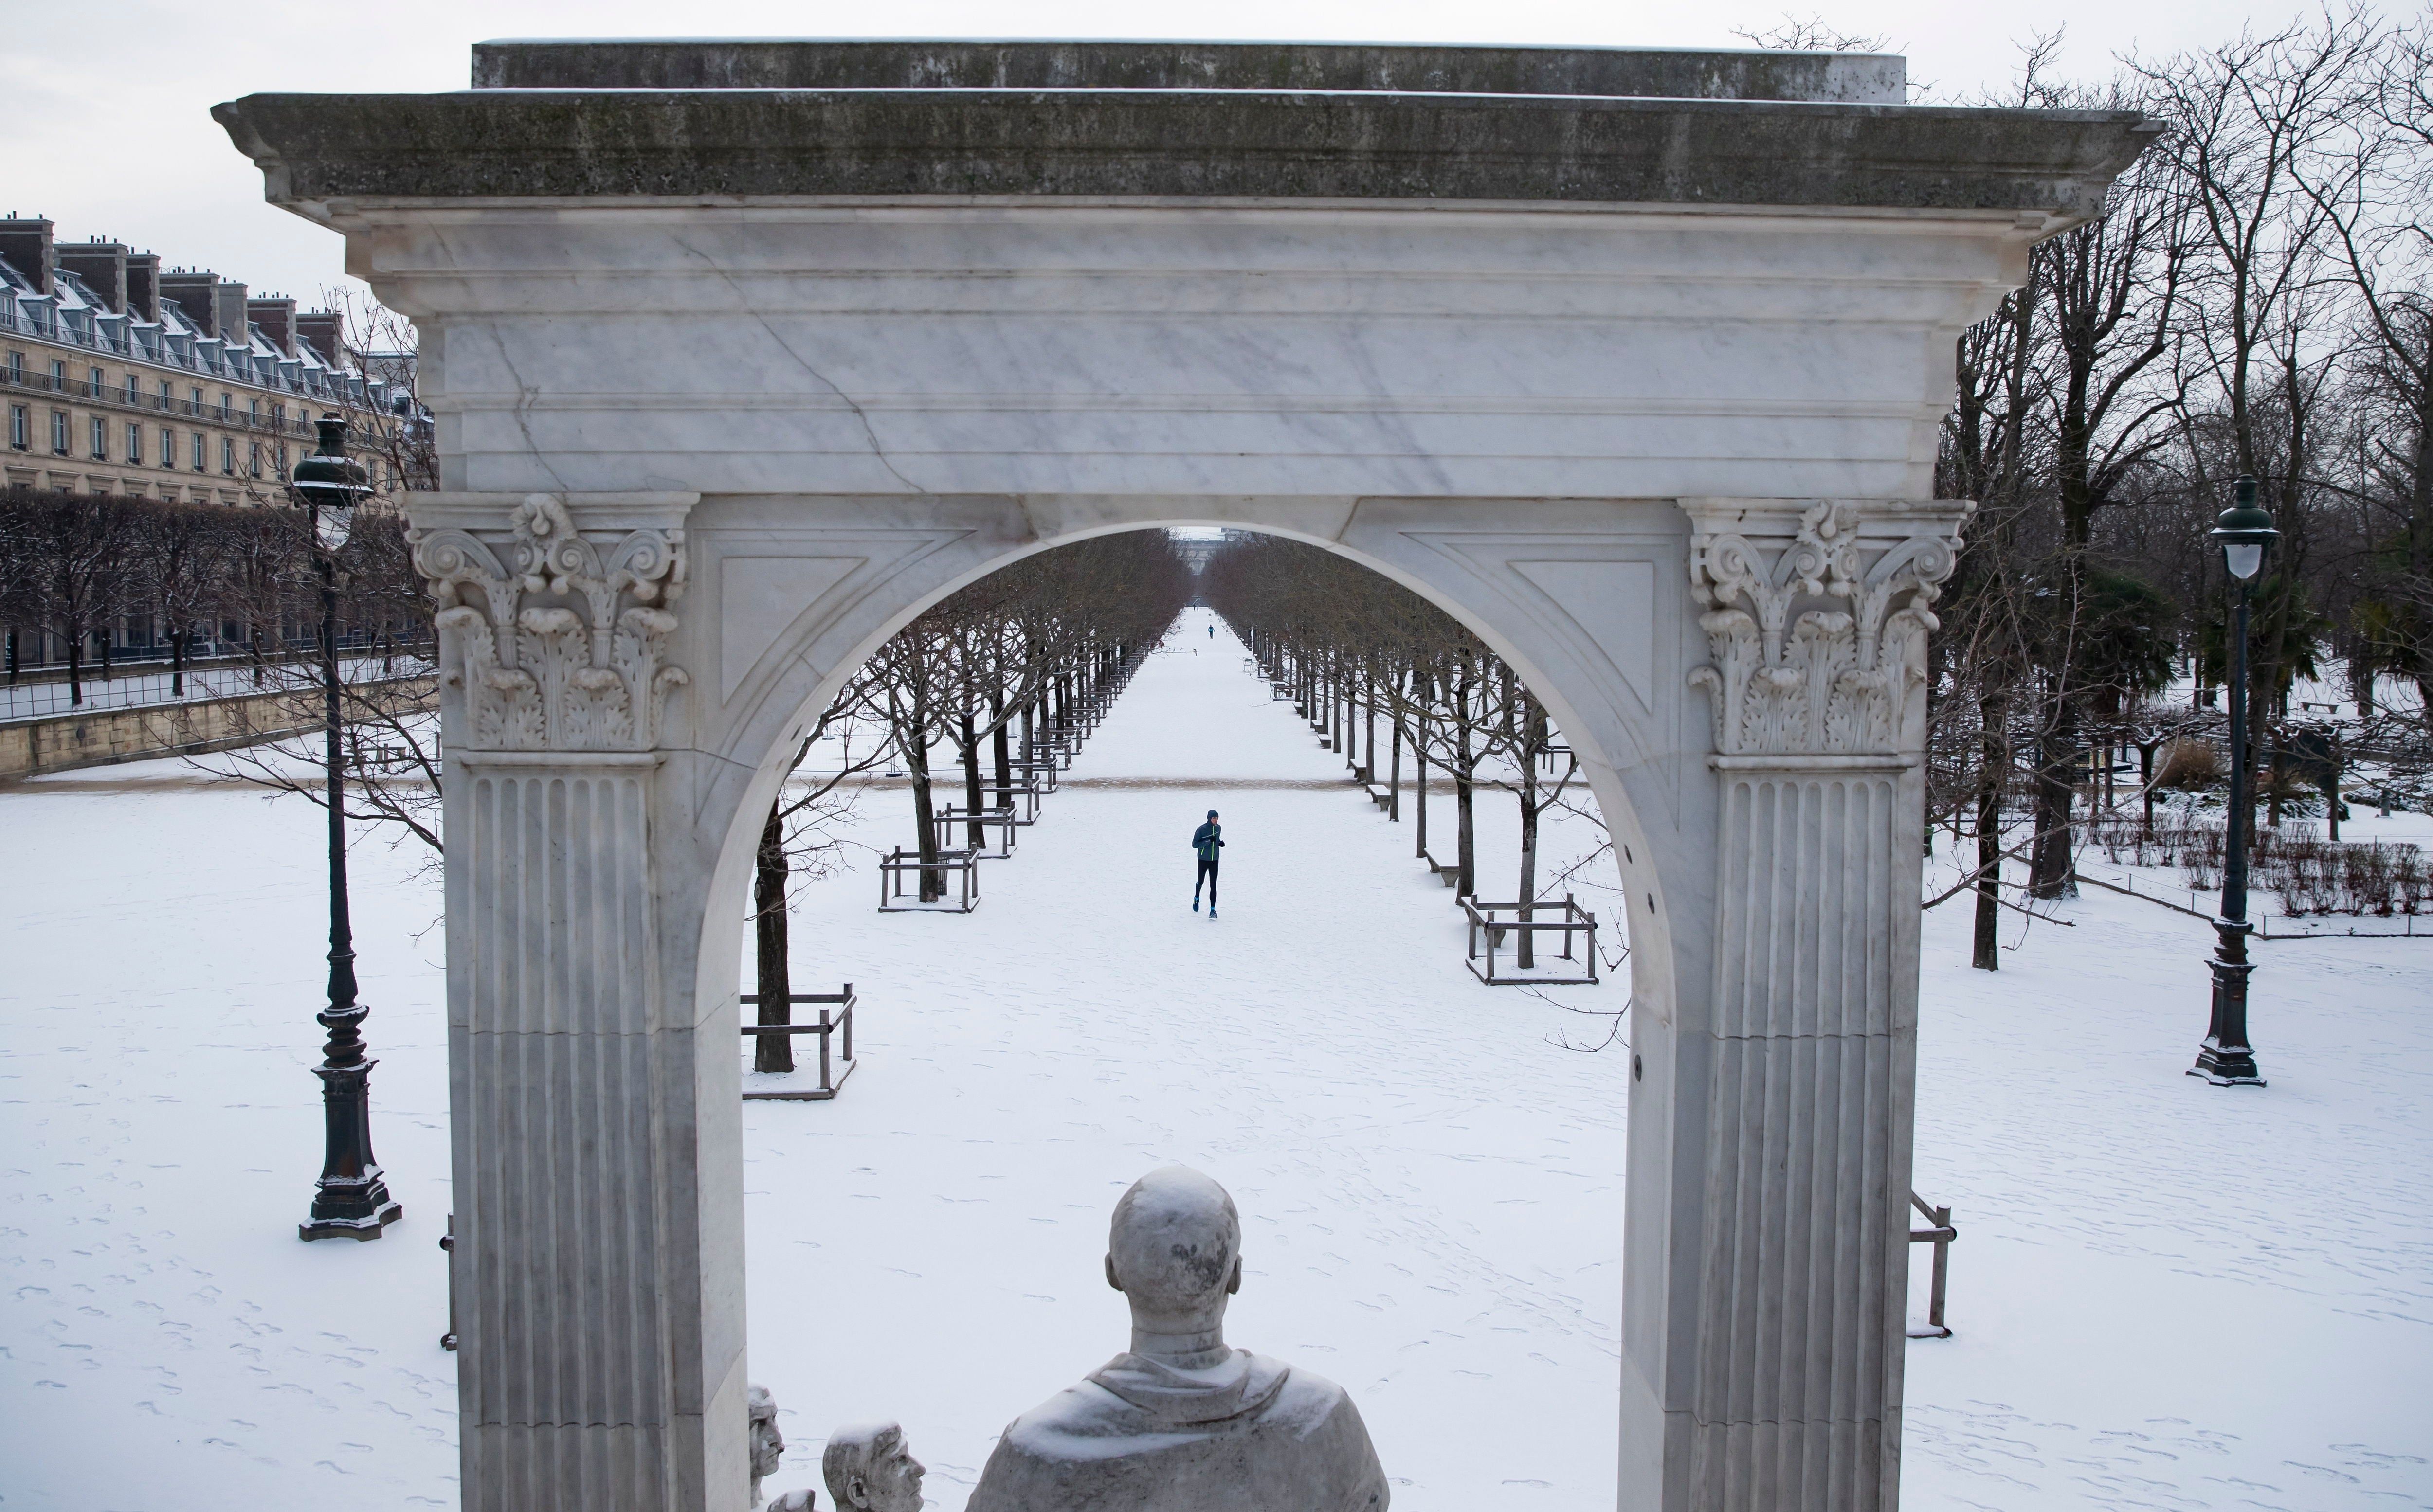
(75, 568)
(1355, 649)
(976, 687)
(2257, 300)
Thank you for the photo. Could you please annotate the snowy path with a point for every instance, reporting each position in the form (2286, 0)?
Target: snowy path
(2167, 1296)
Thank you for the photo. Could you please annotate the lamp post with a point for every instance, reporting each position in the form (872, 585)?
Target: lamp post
(2244, 532)
(350, 1201)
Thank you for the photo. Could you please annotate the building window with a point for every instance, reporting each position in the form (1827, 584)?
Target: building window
(16, 368)
(167, 396)
(134, 395)
(59, 433)
(18, 440)
(226, 400)
(168, 447)
(256, 465)
(134, 442)
(202, 452)
(59, 375)
(257, 412)
(100, 382)
(282, 459)
(228, 456)
(100, 439)
(197, 401)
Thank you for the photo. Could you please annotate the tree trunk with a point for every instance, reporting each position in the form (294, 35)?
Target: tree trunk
(1394, 792)
(1527, 953)
(1465, 768)
(75, 664)
(916, 763)
(177, 664)
(975, 831)
(2146, 783)
(1993, 772)
(773, 983)
(2049, 867)
(998, 753)
(1369, 738)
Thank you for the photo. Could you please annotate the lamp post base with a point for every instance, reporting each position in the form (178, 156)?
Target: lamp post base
(365, 1228)
(2226, 1066)
(2225, 1058)
(351, 1201)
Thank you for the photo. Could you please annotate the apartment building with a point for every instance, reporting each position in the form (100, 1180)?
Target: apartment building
(119, 376)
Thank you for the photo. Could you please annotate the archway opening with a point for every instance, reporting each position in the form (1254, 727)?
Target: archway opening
(1429, 1167)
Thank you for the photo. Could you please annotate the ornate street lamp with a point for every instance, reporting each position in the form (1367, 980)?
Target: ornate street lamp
(351, 1201)
(2245, 533)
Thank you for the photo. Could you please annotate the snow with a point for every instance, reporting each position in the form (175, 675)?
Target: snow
(2165, 1293)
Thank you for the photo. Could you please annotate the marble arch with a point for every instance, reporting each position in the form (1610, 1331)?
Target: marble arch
(743, 351)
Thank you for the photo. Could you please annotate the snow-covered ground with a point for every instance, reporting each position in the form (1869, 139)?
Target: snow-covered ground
(2166, 1295)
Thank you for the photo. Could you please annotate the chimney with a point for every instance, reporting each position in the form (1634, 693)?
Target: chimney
(103, 267)
(324, 332)
(277, 318)
(26, 245)
(143, 286)
(228, 301)
(192, 293)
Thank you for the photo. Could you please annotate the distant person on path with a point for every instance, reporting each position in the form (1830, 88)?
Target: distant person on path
(1212, 632)
(1205, 843)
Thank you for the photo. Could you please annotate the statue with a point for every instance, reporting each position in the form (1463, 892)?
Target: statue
(1184, 1423)
(868, 1469)
(768, 1445)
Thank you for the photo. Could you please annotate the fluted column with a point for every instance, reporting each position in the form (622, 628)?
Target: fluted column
(1787, 1342)
(598, 1248)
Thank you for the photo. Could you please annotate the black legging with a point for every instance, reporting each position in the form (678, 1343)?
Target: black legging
(1207, 874)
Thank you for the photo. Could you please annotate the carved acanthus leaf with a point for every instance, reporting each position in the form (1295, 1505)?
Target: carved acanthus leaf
(1817, 629)
(556, 642)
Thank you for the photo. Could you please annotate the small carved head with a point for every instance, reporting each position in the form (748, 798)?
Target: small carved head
(1175, 1249)
(869, 1469)
(767, 1444)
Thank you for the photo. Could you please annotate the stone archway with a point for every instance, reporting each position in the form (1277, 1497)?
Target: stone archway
(744, 351)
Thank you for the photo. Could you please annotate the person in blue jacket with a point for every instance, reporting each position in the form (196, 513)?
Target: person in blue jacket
(1205, 843)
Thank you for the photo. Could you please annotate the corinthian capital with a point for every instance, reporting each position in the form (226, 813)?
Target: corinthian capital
(1816, 618)
(553, 614)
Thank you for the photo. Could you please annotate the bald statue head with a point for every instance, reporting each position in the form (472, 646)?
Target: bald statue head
(870, 1469)
(1175, 1251)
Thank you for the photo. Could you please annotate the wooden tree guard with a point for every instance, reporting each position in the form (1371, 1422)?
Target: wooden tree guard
(1484, 926)
(1023, 791)
(1003, 818)
(1038, 773)
(965, 864)
(1940, 1237)
(832, 1073)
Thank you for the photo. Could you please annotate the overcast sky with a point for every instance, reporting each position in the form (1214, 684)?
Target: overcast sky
(109, 130)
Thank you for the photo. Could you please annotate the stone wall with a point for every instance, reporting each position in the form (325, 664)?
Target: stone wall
(102, 737)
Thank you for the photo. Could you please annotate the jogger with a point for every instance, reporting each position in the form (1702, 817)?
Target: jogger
(1205, 843)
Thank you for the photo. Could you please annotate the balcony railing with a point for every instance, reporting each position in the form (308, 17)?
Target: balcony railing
(116, 395)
